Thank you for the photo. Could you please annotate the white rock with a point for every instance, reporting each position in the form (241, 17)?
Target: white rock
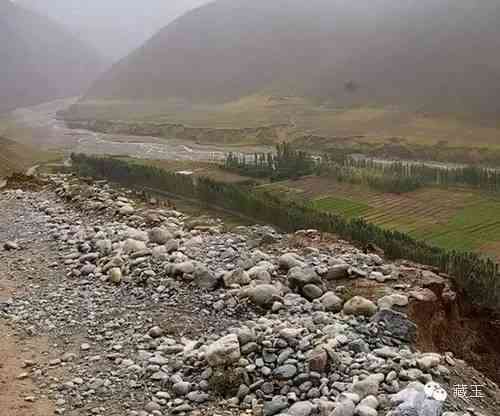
(396, 299)
(133, 246)
(359, 306)
(126, 210)
(428, 361)
(368, 386)
(115, 275)
(223, 351)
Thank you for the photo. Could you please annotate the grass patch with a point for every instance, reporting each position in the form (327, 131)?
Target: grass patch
(367, 124)
(456, 218)
(345, 207)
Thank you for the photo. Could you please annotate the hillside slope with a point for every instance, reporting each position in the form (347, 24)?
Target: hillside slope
(40, 60)
(95, 22)
(16, 157)
(433, 55)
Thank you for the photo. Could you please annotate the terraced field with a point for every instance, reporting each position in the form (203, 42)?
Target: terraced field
(458, 218)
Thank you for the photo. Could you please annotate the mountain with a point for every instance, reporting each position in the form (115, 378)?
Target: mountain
(425, 54)
(113, 27)
(40, 60)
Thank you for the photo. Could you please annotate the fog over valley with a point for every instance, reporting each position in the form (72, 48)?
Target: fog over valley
(113, 27)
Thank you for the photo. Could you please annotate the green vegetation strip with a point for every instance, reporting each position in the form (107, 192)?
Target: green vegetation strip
(346, 207)
(477, 278)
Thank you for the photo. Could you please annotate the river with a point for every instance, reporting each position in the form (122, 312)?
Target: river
(49, 133)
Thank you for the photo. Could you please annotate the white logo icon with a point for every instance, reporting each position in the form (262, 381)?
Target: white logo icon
(435, 391)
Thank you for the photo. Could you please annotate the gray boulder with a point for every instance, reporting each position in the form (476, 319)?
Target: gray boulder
(104, 247)
(298, 277)
(172, 245)
(263, 295)
(337, 272)
(275, 406)
(312, 292)
(260, 273)
(285, 372)
(397, 324)
(133, 246)
(179, 269)
(368, 386)
(236, 277)
(159, 235)
(290, 260)
(301, 409)
(345, 407)
(181, 388)
(331, 302)
(362, 410)
(204, 278)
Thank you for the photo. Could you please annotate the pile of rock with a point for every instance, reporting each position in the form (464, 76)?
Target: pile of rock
(322, 362)
(316, 348)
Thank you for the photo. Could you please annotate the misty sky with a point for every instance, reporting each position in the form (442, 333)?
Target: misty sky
(113, 27)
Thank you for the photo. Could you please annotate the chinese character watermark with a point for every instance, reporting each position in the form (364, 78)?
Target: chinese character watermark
(464, 391)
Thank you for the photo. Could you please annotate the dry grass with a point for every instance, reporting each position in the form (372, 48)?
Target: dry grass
(373, 124)
(15, 157)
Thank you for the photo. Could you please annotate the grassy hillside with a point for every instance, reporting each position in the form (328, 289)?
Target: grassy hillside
(436, 56)
(15, 157)
(40, 60)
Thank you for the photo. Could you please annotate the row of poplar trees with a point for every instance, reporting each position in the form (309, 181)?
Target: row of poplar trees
(477, 277)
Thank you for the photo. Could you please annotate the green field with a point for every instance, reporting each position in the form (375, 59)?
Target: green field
(348, 208)
(458, 218)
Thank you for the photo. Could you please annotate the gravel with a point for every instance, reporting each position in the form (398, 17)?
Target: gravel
(152, 314)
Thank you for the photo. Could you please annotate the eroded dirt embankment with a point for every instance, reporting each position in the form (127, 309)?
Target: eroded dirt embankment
(451, 324)
(261, 135)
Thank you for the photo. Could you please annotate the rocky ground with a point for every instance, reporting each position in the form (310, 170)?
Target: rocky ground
(113, 306)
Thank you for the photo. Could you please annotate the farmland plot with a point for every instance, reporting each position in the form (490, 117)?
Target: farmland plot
(454, 218)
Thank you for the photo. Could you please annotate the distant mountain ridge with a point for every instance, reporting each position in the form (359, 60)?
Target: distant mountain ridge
(113, 27)
(427, 54)
(40, 60)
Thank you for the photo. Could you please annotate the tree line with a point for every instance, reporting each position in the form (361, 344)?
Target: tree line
(477, 277)
(385, 176)
(425, 174)
(285, 163)
(384, 181)
(289, 163)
